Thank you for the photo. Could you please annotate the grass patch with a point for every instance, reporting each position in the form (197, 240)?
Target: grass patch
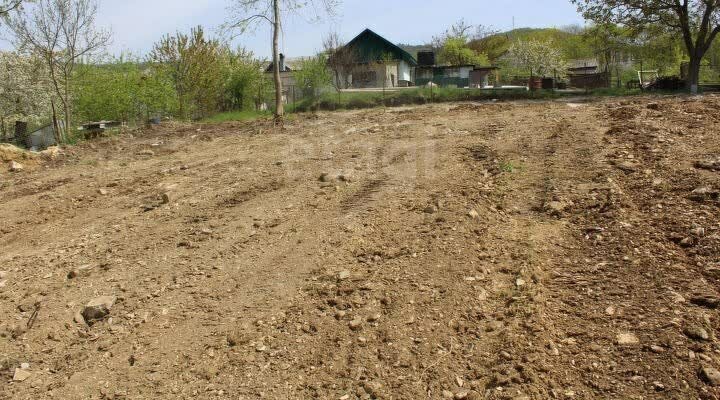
(358, 100)
(229, 116)
(509, 167)
(616, 92)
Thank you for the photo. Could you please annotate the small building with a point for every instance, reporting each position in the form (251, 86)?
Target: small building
(480, 77)
(379, 63)
(587, 74)
(286, 77)
(39, 139)
(444, 75)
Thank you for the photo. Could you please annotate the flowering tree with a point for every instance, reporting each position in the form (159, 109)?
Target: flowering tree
(25, 90)
(63, 33)
(539, 58)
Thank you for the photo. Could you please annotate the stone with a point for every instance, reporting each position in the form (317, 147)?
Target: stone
(698, 231)
(146, 152)
(83, 270)
(21, 374)
(165, 198)
(327, 177)
(98, 308)
(15, 166)
(237, 339)
(704, 193)
(342, 275)
(555, 208)
(374, 317)
(696, 332)
(355, 324)
(51, 153)
(462, 395)
(626, 166)
(79, 319)
(710, 164)
(657, 349)
(708, 301)
(473, 214)
(446, 394)
(627, 339)
(710, 375)
(431, 209)
(103, 192)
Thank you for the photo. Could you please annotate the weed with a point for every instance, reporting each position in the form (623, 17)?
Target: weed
(509, 167)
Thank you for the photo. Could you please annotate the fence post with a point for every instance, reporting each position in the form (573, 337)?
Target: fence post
(642, 87)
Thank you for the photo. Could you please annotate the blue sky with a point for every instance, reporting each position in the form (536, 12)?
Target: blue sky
(137, 24)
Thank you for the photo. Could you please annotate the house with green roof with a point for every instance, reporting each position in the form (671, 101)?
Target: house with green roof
(377, 62)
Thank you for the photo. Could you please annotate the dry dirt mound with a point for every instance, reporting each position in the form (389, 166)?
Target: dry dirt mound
(9, 152)
(534, 251)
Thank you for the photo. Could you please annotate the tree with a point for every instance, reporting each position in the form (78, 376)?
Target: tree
(340, 60)
(62, 33)
(195, 64)
(9, 5)
(458, 30)
(123, 89)
(313, 75)
(452, 45)
(249, 12)
(25, 91)
(455, 52)
(244, 80)
(698, 22)
(539, 58)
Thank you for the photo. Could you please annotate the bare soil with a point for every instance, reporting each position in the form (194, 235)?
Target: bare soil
(527, 250)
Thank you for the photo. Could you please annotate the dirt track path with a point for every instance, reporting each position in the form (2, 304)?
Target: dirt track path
(466, 251)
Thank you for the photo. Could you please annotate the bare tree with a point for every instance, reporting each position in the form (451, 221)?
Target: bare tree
(484, 32)
(247, 13)
(62, 33)
(8, 5)
(459, 30)
(341, 60)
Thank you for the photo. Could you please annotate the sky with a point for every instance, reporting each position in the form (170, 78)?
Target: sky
(137, 24)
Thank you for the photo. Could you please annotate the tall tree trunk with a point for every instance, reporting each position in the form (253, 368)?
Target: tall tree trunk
(67, 107)
(279, 108)
(693, 77)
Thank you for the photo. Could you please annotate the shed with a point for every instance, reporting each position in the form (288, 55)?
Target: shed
(444, 75)
(41, 138)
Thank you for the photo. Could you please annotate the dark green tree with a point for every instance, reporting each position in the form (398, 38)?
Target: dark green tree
(697, 21)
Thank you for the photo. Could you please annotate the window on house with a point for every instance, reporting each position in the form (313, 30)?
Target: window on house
(364, 78)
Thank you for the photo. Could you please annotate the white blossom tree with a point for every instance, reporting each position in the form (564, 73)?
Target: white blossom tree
(8, 5)
(25, 90)
(62, 33)
(539, 58)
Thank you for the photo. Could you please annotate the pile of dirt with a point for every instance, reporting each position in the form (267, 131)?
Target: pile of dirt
(9, 152)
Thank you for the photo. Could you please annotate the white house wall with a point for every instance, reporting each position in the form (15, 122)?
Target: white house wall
(404, 72)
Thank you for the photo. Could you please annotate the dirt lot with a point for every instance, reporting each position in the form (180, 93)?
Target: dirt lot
(469, 251)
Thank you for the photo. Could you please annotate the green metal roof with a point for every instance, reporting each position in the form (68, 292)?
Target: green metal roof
(371, 47)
